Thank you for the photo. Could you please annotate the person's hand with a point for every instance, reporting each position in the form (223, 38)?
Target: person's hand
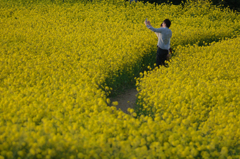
(147, 23)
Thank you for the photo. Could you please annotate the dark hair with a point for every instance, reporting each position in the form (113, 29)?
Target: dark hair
(167, 22)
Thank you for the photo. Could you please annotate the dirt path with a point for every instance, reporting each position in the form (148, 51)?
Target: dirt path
(126, 100)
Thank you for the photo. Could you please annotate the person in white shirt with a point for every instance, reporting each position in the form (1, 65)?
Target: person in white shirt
(164, 35)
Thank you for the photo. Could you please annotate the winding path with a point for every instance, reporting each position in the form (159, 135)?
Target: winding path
(126, 100)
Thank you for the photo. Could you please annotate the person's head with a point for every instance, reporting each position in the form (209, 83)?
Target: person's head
(166, 23)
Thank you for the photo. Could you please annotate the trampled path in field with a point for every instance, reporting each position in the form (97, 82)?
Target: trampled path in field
(126, 100)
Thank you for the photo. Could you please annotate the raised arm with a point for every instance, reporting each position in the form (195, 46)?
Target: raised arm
(157, 30)
(149, 26)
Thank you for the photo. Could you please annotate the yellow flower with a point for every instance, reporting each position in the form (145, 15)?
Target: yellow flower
(115, 103)
(60, 64)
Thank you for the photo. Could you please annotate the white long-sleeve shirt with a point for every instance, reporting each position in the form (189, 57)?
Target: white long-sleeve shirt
(164, 36)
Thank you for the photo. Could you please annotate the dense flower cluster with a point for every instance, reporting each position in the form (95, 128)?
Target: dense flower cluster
(197, 98)
(59, 62)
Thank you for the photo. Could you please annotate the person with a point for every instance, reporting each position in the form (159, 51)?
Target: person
(164, 35)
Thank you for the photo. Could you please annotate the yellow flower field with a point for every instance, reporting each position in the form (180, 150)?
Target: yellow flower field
(197, 98)
(61, 61)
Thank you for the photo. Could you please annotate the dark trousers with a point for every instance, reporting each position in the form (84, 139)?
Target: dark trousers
(161, 56)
